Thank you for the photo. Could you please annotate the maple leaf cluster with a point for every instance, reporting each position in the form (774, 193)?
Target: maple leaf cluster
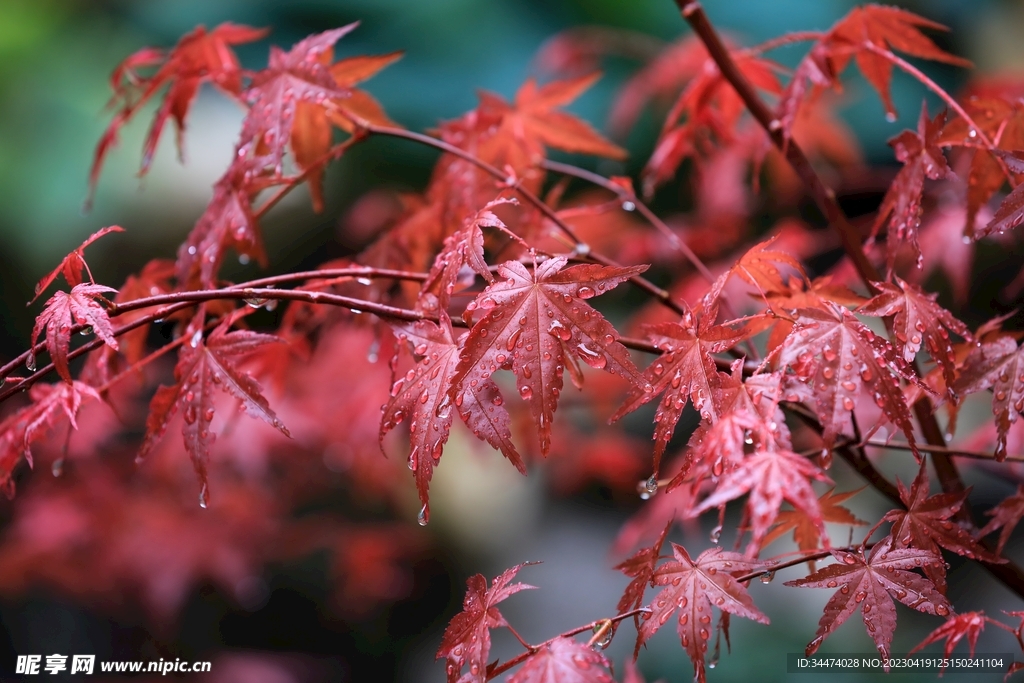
(486, 288)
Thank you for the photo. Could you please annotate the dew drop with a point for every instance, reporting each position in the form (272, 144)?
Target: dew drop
(890, 116)
(628, 206)
(58, 467)
(204, 497)
(767, 576)
(591, 357)
(526, 392)
(715, 534)
(941, 610)
(30, 362)
(424, 516)
(585, 292)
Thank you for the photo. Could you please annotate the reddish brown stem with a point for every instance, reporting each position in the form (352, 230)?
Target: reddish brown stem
(825, 197)
(532, 649)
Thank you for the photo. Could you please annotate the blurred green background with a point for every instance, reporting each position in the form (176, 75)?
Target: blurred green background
(55, 58)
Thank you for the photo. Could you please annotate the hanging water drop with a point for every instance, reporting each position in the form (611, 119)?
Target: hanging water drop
(767, 576)
(30, 362)
(715, 534)
(58, 467)
(628, 206)
(651, 485)
(890, 116)
(424, 516)
(203, 497)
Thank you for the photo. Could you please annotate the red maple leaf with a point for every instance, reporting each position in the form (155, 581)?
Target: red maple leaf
(957, 627)
(203, 367)
(18, 431)
(424, 396)
(533, 122)
(1005, 516)
(839, 356)
(707, 106)
(691, 587)
(996, 365)
(1010, 213)
(867, 583)
(770, 476)
(901, 207)
(462, 248)
(72, 265)
(311, 129)
(467, 640)
(918, 319)
(879, 27)
(926, 525)
(564, 660)
(805, 530)
(1001, 118)
(62, 311)
(538, 322)
(290, 77)
(640, 568)
(154, 279)
(685, 370)
(198, 57)
(227, 222)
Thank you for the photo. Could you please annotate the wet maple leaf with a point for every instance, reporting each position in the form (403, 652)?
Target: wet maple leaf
(901, 207)
(205, 366)
(996, 365)
(707, 105)
(424, 396)
(640, 568)
(198, 57)
(290, 77)
(154, 279)
(884, 28)
(50, 402)
(533, 122)
(227, 222)
(805, 531)
(770, 476)
(462, 248)
(691, 587)
(1006, 515)
(539, 322)
(71, 266)
(1010, 213)
(685, 370)
(311, 130)
(467, 640)
(1001, 119)
(926, 525)
(870, 583)
(83, 305)
(564, 660)
(957, 627)
(919, 319)
(839, 356)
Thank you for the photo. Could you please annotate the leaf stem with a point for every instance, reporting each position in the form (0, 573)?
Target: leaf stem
(532, 649)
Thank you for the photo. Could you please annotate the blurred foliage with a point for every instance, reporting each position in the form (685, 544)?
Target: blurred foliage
(55, 58)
